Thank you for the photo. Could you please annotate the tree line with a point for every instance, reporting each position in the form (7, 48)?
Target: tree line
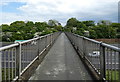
(102, 29)
(20, 30)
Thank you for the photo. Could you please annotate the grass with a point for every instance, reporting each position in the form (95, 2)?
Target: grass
(113, 75)
(6, 72)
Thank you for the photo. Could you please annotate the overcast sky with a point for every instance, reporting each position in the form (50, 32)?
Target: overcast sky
(61, 10)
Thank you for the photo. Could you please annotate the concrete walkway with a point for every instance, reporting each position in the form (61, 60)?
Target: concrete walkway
(61, 63)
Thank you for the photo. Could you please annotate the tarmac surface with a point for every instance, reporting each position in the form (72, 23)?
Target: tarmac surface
(61, 63)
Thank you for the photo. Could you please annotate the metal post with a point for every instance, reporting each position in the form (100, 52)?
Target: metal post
(38, 47)
(84, 47)
(51, 39)
(102, 61)
(0, 67)
(18, 59)
(46, 42)
(77, 43)
(119, 66)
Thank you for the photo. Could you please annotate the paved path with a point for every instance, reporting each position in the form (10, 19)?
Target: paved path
(61, 63)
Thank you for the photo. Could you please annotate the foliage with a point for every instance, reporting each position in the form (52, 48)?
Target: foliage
(92, 34)
(117, 27)
(72, 22)
(103, 29)
(104, 22)
(20, 30)
(89, 23)
(5, 27)
(112, 75)
(53, 23)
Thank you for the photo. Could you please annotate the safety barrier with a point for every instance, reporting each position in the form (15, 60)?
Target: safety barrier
(17, 58)
(104, 58)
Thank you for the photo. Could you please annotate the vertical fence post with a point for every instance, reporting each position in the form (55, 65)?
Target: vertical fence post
(0, 66)
(102, 62)
(77, 43)
(119, 66)
(38, 46)
(51, 38)
(18, 60)
(46, 42)
(84, 47)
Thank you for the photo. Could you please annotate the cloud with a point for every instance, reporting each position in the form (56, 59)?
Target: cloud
(4, 3)
(6, 18)
(61, 10)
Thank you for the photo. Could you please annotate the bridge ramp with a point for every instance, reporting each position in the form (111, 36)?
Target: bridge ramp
(61, 63)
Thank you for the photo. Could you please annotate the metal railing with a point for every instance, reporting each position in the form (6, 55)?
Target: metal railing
(15, 59)
(104, 58)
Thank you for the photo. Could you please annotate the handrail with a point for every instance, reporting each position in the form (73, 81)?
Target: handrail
(18, 57)
(98, 42)
(111, 47)
(104, 58)
(9, 46)
(16, 44)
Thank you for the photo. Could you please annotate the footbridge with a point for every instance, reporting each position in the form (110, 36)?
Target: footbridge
(60, 56)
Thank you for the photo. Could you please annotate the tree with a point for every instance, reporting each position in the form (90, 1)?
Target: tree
(117, 27)
(59, 28)
(5, 27)
(104, 31)
(104, 22)
(79, 31)
(89, 23)
(46, 31)
(93, 34)
(53, 23)
(17, 25)
(30, 24)
(81, 25)
(72, 22)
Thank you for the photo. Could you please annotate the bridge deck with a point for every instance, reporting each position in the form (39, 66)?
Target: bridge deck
(61, 63)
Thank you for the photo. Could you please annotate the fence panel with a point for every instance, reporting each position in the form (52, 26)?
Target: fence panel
(104, 58)
(15, 58)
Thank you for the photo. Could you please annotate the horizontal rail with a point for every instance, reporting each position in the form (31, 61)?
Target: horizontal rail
(23, 42)
(98, 42)
(111, 47)
(9, 46)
